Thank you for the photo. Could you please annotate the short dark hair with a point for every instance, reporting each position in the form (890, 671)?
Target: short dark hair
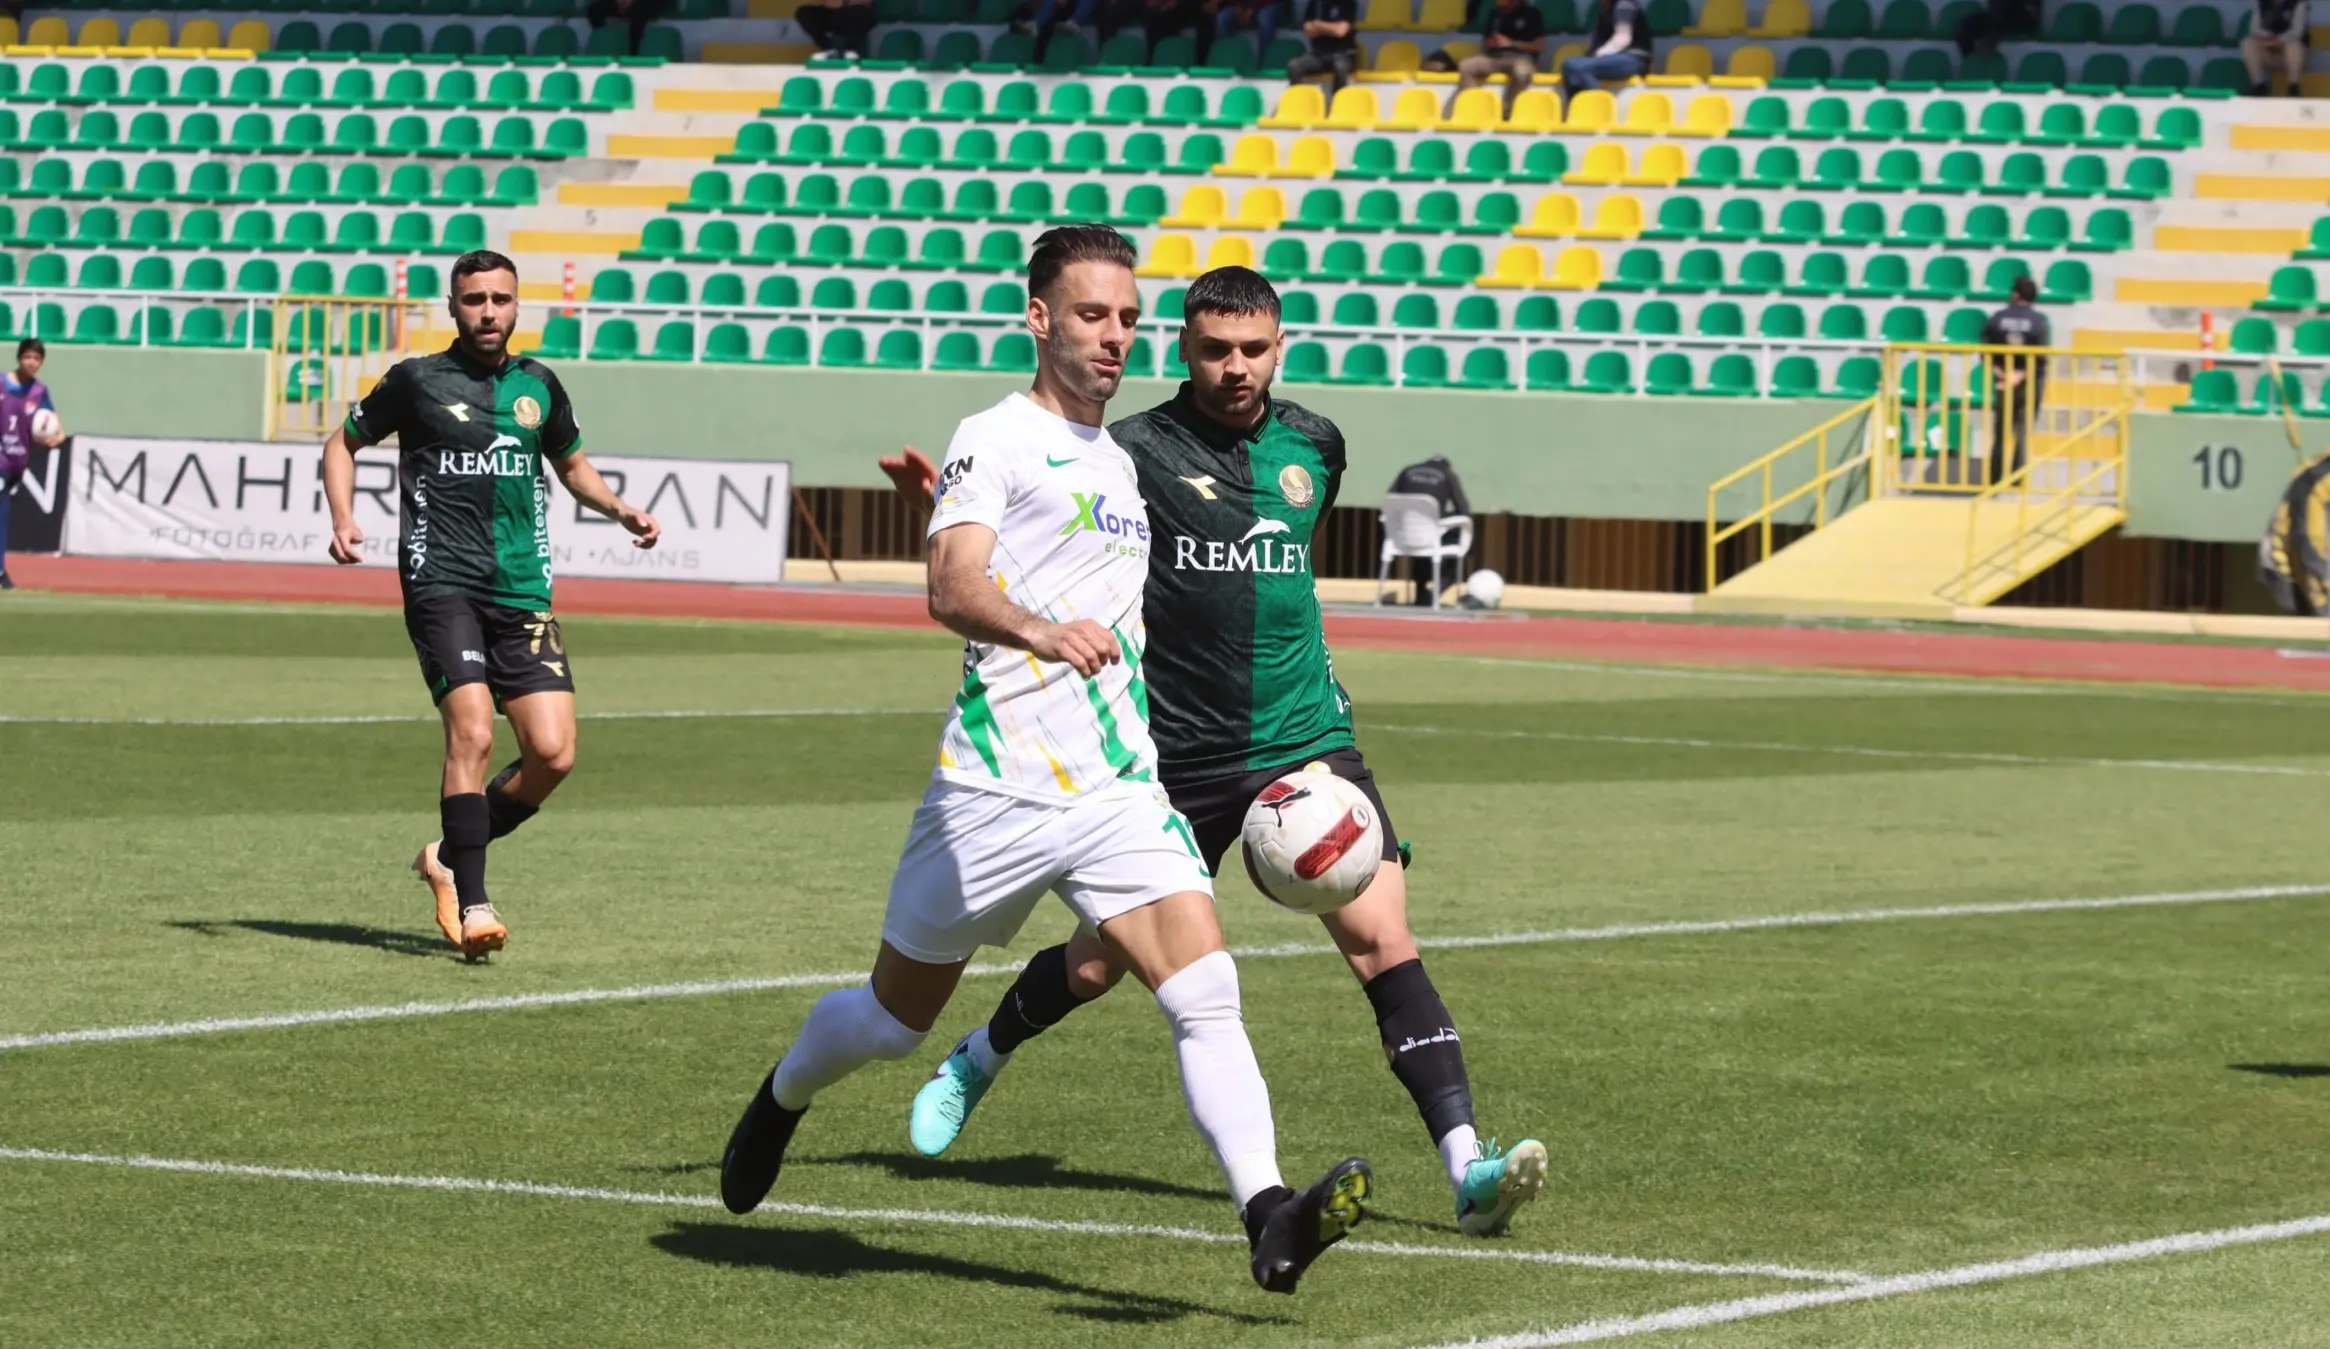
(1058, 250)
(2024, 289)
(478, 260)
(34, 346)
(1229, 290)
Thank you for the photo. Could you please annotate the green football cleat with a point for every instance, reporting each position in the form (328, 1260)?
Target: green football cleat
(1496, 1185)
(946, 1101)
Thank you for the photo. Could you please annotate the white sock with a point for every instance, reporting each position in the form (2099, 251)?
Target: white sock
(1228, 1101)
(846, 1030)
(982, 1053)
(1457, 1149)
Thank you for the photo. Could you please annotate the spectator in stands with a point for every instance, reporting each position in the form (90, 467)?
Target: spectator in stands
(1620, 49)
(1980, 32)
(2018, 384)
(1259, 17)
(637, 13)
(1162, 19)
(839, 27)
(1330, 26)
(21, 395)
(2277, 26)
(1516, 38)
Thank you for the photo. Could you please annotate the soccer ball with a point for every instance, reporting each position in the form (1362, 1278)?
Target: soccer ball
(1484, 589)
(1312, 841)
(46, 428)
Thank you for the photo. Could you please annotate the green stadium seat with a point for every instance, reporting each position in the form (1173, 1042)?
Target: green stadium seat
(2117, 126)
(2175, 129)
(46, 271)
(2291, 291)
(1800, 222)
(1760, 272)
(668, 287)
(1638, 270)
(2147, 178)
(153, 272)
(1013, 353)
(1795, 377)
(1423, 367)
(1669, 373)
(1537, 314)
(1599, 315)
(1825, 119)
(2270, 395)
(612, 285)
(1947, 277)
(777, 292)
(1844, 323)
(2311, 338)
(2254, 337)
(1476, 313)
(1547, 370)
(1698, 272)
(2101, 75)
(1860, 225)
(1998, 277)
(1903, 323)
(1863, 68)
(2109, 230)
(97, 325)
(1781, 321)
(1856, 377)
(1607, 372)
(1658, 318)
(1884, 276)
(2078, 23)
(1722, 319)
(99, 271)
(1679, 217)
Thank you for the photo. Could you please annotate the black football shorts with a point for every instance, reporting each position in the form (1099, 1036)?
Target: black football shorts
(462, 640)
(1216, 808)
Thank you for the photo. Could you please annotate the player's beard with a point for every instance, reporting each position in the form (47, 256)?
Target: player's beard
(1214, 400)
(1074, 369)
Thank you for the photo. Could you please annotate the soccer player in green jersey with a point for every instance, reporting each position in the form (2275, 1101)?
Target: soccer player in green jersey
(474, 426)
(1242, 692)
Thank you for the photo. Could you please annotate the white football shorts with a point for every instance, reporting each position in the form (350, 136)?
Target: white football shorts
(977, 861)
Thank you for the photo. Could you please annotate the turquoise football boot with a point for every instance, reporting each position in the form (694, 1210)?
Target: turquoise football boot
(947, 1100)
(1497, 1184)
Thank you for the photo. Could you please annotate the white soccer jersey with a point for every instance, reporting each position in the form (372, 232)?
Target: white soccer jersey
(1071, 542)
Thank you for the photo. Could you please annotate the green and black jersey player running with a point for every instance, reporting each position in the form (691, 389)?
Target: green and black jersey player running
(474, 426)
(1241, 692)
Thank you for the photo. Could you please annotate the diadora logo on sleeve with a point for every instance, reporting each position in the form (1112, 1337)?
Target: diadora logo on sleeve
(1127, 534)
(507, 457)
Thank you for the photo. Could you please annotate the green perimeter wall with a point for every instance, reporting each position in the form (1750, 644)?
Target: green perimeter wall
(1531, 454)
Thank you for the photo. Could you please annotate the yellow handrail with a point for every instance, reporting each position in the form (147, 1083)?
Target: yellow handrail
(2056, 509)
(1822, 475)
(339, 343)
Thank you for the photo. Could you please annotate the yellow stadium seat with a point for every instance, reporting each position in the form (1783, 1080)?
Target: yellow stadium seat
(1354, 110)
(1748, 68)
(1686, 66)
(104, 31)
(1416, 110)
(1519, 267)
(251, 35)
(48, 31)
(1251, 157)
(1720, 18)
(1311, 157)
(1300, 108)
(1475, 110)
(1170, 255)
(1618, 217)
(1555, 217)
(1578, 268)
(1262, 208)
(1603, 166)
(1455, 51)
(197, 34)
(148, 32)
(1439, 16)
(1235, 251)
(1563, 53)
(1535, 112)
(1662, 166)
(1709, 115)
(1783, 18)
(1202, 207)
(9, 36)
(1383, 15)
(1591, 113)
(1647, 115)
(1396, 62)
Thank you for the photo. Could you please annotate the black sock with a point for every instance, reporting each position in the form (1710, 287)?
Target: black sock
(507, 811)
(468, 823)
(1035, 1003)
(1419, 1037)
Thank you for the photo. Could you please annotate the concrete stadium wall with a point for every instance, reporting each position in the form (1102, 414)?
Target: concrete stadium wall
(1530, 454)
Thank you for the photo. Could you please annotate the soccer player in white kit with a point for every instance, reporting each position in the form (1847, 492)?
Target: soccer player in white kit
(1046, 777)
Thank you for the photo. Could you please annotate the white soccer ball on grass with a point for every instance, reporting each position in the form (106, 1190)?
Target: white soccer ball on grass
(1312, 841)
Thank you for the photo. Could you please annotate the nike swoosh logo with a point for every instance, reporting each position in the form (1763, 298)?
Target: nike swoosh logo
(1267, 527)
(1059, 463)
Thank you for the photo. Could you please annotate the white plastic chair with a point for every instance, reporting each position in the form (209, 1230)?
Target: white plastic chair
(1414, 527)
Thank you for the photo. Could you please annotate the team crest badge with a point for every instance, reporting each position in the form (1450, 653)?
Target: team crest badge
(1294, 483)
(526, 412)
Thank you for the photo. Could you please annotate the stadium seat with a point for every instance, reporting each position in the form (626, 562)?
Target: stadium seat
(2292, 290)
(2212, 391)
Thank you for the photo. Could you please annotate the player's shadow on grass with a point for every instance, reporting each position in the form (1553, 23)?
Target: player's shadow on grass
(2283, 1069)
(831, 1254)
(341, 934)
(1028, 1171)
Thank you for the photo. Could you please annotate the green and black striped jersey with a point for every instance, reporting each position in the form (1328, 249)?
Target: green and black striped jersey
(473, 495)
(1237, 666)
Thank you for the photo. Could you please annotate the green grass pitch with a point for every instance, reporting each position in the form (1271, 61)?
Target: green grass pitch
(206, 811)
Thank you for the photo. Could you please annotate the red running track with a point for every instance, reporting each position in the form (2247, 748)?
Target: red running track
(1535, 637)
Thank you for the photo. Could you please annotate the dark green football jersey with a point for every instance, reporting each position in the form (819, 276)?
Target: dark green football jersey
(1237, 666)
(473, 494)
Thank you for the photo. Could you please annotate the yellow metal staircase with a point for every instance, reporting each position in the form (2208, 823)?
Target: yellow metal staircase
(1892, 501)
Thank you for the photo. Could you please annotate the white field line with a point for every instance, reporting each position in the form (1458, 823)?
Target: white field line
(645, 992)
(936, 1217)
(398, 718)
(2035, 686)
(1702, 1315)
(1862, 751)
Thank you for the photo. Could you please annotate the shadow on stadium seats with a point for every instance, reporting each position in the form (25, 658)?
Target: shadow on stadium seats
(2283, 1069)
(1028, 1171)
(832, 1254)
(343, 934)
